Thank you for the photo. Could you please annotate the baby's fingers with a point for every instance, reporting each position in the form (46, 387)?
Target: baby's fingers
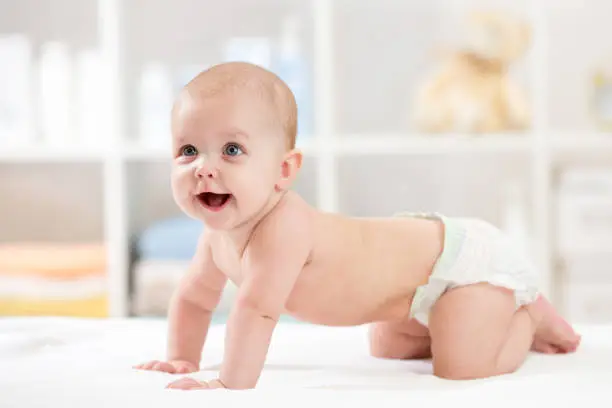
(187, 384)
(165, 367)
(149, 365)
(157, 366)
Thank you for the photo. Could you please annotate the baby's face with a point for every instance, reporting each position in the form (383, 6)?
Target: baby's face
(227, 159)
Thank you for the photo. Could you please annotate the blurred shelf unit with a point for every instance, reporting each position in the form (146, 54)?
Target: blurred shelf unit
(565, 147)
(44, 154)
(351, 83)
(583, 227)
(580, 145)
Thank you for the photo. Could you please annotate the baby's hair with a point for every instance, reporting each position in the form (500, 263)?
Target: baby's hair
(241, 76)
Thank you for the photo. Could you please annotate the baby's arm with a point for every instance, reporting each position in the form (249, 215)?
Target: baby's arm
(273, 261)
(193, 304)
(190, 312)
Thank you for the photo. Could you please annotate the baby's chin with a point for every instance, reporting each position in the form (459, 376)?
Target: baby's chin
(222, 215)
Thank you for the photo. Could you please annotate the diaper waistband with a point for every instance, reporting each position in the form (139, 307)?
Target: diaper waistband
(455, 234)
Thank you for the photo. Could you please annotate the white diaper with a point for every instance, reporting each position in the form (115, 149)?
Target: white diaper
(475, 252)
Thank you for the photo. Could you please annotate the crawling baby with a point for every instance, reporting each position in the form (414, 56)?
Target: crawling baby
(451, 289)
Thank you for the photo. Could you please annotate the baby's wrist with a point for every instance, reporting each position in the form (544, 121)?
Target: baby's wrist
(236, 384)
(181, 359)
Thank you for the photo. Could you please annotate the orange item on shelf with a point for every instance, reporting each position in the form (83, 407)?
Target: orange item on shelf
(52, 260)
(96, 306)
(53, 279)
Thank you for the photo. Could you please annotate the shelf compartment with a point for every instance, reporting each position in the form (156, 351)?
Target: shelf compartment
(53, 251)
(573, 60)
(382, 185)
(172, 43)
(53, 85)
(385, 50)
(51, 202)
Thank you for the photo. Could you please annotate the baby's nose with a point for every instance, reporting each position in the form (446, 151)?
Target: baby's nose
(206, 169)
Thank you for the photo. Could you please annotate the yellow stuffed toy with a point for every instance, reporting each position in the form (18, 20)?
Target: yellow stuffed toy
(472, 92)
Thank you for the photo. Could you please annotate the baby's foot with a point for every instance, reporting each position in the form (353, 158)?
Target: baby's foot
(554, 334)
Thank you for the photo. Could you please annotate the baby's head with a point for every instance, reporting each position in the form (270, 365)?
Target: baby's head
(233, 140)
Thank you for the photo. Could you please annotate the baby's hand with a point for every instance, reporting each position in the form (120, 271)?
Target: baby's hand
(191, 384)
(172, 367)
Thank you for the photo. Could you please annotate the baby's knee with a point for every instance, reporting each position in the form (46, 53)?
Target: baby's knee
(380, 345)
(387, 344)
(468, 371)
(468, 366)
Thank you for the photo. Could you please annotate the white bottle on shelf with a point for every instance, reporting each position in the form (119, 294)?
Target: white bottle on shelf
(16, 107)
(155, 102)
(55, 73)
(91, 101)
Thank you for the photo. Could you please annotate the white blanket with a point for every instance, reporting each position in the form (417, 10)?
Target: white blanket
(52, 362)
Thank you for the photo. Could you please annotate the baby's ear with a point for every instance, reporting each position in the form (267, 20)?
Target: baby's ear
(290, 167)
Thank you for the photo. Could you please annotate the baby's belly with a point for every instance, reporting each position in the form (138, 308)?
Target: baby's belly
(360, 282)
(347, 307)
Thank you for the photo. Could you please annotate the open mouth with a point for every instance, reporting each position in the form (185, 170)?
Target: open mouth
(214, 201)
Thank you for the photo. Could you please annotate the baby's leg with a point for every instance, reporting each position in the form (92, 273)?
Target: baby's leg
(476, 332)
(400, 340)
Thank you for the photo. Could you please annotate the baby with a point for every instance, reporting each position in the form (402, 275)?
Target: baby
(451, 289)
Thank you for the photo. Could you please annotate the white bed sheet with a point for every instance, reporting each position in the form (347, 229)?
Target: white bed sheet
(55, 362)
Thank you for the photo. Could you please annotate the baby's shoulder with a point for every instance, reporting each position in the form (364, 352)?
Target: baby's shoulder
(289, 222)
(281, 239)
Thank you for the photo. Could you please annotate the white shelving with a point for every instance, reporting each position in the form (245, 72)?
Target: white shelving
(593, 145)
(342, 140)
(47, 154)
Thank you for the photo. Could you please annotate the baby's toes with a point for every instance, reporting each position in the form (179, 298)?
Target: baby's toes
(567, 344)
(571, 345)
(574, 347)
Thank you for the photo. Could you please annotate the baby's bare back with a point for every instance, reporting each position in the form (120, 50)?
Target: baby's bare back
(363, 269)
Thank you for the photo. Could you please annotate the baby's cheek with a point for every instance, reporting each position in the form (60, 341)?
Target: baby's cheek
(175, 185)
(250, 187)
(254, 190)
(252, 180)
(179, 184)
(264, 182)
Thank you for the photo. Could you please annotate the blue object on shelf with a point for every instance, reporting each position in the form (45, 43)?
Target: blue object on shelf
(170, 239)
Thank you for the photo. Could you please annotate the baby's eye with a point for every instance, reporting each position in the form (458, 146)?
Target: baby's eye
(232, 149)
(189, 151)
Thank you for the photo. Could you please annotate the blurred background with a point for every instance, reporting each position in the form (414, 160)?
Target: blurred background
(498, 109)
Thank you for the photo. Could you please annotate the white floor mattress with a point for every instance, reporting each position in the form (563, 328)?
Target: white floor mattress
(87, 363)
